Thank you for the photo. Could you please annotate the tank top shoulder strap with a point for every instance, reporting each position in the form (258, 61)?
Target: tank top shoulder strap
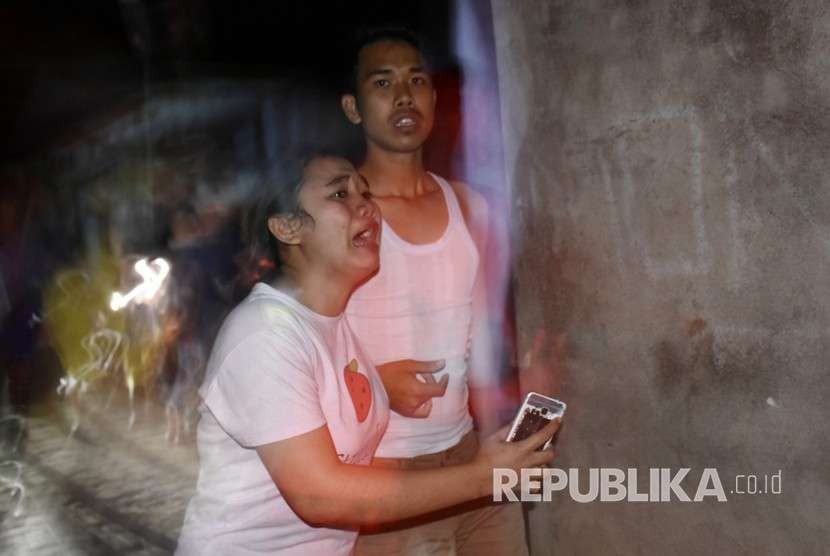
(453, 207)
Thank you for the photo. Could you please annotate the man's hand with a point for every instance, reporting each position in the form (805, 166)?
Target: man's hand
(408, 395)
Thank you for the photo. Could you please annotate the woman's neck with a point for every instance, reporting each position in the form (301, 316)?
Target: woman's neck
(323, 294)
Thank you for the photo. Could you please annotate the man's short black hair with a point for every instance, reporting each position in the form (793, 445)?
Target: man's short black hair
(368, 36)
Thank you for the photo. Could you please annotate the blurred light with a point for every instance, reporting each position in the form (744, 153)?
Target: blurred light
(153, 274)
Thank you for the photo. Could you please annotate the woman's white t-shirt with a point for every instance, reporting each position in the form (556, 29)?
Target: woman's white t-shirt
(277, 370)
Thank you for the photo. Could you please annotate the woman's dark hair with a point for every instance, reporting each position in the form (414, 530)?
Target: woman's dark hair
(279, 195)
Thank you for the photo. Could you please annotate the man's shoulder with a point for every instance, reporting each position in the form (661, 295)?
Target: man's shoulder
(473, 204)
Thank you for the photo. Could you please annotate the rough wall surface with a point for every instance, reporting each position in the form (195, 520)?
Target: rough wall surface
(671, 183)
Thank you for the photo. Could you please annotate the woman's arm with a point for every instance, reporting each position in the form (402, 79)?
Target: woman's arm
(323, 491)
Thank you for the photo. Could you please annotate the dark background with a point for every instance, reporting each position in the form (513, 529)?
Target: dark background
(64, 63)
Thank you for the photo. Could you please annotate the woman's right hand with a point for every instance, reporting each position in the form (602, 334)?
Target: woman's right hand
(496, 452)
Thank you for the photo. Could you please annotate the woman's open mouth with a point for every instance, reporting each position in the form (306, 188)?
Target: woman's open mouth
(367, 237)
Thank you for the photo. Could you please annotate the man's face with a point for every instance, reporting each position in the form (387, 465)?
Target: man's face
(395, 99)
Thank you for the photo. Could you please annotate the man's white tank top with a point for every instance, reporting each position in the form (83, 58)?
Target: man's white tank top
(418, 306)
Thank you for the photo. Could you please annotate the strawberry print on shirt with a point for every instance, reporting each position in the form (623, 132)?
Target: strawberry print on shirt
(359, 390)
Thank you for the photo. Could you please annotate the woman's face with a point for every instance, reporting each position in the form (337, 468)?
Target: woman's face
(343, 234)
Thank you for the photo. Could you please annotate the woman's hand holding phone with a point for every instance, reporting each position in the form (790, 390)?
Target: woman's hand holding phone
(497, 453)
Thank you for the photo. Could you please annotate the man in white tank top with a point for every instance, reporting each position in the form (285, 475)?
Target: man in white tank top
(422, 318)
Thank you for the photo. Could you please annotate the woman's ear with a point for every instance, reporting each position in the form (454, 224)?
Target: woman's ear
(286, 228)
(349, 104)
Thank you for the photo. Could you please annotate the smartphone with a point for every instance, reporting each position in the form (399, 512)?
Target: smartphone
(536, 412)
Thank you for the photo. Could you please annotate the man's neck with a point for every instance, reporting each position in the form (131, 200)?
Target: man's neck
(394, 174)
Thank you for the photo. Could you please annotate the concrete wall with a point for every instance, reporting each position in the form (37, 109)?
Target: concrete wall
(669, 165)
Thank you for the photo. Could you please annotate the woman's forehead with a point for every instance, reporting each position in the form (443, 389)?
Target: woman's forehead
(322, 170)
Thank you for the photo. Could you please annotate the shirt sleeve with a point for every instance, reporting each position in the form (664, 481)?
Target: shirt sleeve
(265, 390)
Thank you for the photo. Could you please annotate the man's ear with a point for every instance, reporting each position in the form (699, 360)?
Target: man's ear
(286, 228)
(349, 104)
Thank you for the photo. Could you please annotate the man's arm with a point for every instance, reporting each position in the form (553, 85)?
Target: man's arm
(542, 365)
(488, 395)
